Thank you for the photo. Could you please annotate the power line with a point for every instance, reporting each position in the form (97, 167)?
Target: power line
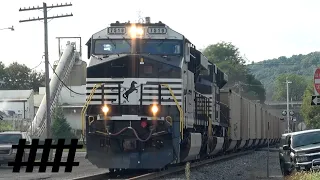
(289, 64)
(251, 84)
(46, 18)
(37, 65)
(64, 83)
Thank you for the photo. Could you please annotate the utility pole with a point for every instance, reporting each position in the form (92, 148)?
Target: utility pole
(268, 150)
(45, 18)
(288, 115)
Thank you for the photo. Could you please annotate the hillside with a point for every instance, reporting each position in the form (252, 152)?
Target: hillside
(267, 71)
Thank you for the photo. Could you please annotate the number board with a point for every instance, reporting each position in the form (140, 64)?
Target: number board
(157, 30)
(116, 30)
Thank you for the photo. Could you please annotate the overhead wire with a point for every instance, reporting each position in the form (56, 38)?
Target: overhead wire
(289, 64)
(64, 83)
(37, 66)
(251, 84)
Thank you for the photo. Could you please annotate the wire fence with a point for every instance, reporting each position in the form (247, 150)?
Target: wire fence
(14, 125)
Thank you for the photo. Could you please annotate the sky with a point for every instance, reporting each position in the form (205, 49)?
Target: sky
(263, 29)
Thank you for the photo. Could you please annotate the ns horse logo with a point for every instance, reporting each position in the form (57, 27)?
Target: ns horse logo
(130, 90)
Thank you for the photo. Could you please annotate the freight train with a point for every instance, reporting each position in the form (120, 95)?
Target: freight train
(154, 100)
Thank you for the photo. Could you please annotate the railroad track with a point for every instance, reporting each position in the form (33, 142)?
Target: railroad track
(170, 170)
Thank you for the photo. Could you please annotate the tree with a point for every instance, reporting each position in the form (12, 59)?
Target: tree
(296, 88)
(310, 114)
(227, 57)
(223, 51)
(255, 88)
(19, 76)
(60, 127)
(267, 71)
(37, 80)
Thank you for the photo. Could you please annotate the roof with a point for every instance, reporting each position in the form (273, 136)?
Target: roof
(285, 134)
(15, 94)
(72, 105)
(305, 131)
(11, 132)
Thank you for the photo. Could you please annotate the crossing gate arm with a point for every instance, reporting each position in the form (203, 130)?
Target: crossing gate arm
(179, 108)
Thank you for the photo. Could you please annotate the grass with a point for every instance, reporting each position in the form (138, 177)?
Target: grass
(305, 176)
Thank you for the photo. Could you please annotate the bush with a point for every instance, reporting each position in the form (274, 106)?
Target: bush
(60, 127)
(5, 125)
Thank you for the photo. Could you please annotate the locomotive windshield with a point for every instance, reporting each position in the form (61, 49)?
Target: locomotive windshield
(123, 46)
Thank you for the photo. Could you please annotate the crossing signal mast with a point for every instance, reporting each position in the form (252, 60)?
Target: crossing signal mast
(45, 8)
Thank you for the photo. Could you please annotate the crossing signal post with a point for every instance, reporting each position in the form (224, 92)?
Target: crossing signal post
(290, 114)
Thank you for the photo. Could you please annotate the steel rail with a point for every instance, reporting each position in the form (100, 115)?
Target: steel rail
(170, 170)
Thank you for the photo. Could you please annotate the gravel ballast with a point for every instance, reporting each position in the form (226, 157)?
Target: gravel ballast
(252, 166)
(247, 167)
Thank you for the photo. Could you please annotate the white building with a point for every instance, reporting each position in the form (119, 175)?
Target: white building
(17, 104)
(71, 102)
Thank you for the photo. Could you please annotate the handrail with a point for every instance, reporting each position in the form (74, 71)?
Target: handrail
(85, 107)
(209, 124)
(179, 108)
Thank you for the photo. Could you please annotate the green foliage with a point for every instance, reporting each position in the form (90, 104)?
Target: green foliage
(223, 51)
(19, 76)
(60, 127)
(5, 125)
(227, 57)
(267, 71)
(310, 114)
(308, 175)
(296, 88)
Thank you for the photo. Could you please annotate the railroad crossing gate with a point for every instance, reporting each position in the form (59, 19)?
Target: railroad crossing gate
(316, 80)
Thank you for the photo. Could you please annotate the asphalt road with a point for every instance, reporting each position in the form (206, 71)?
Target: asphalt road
(85, 168)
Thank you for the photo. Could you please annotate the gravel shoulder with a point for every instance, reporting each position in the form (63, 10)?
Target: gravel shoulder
(247, 167)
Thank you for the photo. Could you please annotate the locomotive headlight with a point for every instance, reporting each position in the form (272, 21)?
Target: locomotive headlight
(154, 109)
(105, 109)
(135, 31)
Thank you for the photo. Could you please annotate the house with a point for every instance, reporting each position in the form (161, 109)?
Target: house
(17, 104)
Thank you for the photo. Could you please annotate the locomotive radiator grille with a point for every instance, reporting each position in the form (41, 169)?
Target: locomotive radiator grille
(130, 92)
